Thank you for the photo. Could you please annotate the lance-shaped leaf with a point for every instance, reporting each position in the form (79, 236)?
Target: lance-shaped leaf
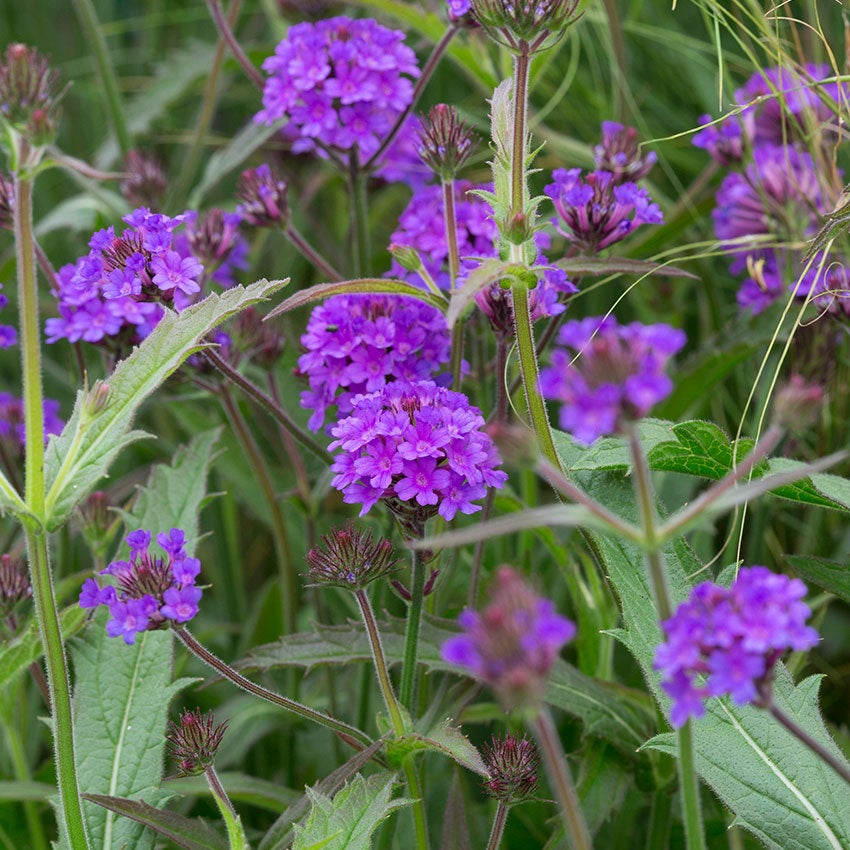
(443, 738)
(489, 272)
(186, 833)
(122, 692)
(832, 576)
(603, 266)
(10, 500)
(386, 286)
(347, 821)
(100, 424)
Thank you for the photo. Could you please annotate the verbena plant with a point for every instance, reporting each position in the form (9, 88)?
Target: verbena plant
(481, 517)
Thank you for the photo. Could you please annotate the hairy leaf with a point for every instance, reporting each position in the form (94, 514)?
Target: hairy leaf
(81, 455)
(347, 821)
(832, 576)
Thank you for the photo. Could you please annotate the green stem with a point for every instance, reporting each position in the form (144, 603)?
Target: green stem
(235, 834)
(558, 771)
(419, 823)
(645, 497)
(359, 202)
(407, 691)
(283, 555)
(658, 834)
(350, 734)
(394, 709)
(311, 254)
(519, 154)
(498, 829)
(97, 45)
(41, 578)
(450, 221)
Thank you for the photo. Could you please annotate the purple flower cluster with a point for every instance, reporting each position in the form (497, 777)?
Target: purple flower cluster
(597, 211)
(732, 637)
(12, 426)
(514, 642)
(341, 83)
(779, 194)
(149, 591)
(418, 446)
(614, 373)
(422, 228)
(356, 344)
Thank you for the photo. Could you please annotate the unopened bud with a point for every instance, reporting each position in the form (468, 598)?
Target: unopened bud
(144, 184)
(97, 398)
(350, 559)
(263, 197)
(14, 584)
(193, 741)
(446, 141)
(408, 258)
(513, 764)
(29, 101)
(526, 25)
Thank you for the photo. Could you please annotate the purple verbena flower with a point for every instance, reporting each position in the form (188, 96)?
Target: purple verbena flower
(597, 211)
(724, 141)
(148, 590)
(615, 374)
(340, 82)
(513, 643)
(726, 641)
(619, 153)
(13, 427)
(419, 447)
(358, 343)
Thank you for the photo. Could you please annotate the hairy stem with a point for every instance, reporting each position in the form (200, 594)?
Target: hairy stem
(226, 31)
(558, 771)
(235, 834)
(645, 497)
(359, 203)
(349, 734)
(41, 577)
(498, 829)
(407, 691)
(311, 254)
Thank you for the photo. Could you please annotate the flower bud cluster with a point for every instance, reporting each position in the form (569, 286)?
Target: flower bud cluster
(149, 591)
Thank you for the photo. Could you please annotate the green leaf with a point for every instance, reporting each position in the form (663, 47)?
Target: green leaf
(621, 715)
(187, 833)
(39, 791)
(832, 576)
(347, 821)
(17, 654)
(775, 785)
(78, 458)
(701, 449)
(488, 272)
(347, 287)
(122, 692)
(443, 738)
(280, 833)
(600, 267)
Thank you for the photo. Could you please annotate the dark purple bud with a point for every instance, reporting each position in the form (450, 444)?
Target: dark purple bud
(260, 341)
(401, 590)
(620, 154)
(512, 763)
(144, 184)
(350, 559)
(193, 740)
(430, 583)
(263, 197)
(446, 141)
(7, 202)
(29, 100)
(14, 584)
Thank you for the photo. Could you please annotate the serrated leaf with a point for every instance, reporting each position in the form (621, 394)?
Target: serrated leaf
(387, 286)
(17, 654)
(280, 833)
(187, 833)
(446, 739)
(347, 821)
(601, 266)
(832, 576)
(700, 449)
(619, 714)
(81, 455)
(122, 692)
(789, 797)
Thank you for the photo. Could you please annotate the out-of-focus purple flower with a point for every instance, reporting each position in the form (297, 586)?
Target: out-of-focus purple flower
(358, 343)
(422, 229)
(724, 141)
(14, 584)
(419, 447)
(149, 591)
(12, 426)
(607, 374)
(29, 94)
(263, 197)
(458, 8)
(597, 211)
(726, 641)
(8, 336)
(340, 82)
(144, 183)
(513, 643)
(619, 153)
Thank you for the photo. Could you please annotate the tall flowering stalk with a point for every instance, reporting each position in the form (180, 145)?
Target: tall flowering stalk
(28, 91)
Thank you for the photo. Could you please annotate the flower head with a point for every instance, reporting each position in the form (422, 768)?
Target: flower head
(599, 210)
(446, 141)
(513, 643)
(14, 584)
(417, 446)
(350, 558)
(144, 183)
(358, 343)
(149, 590)
(513, 764)
(29, 101)
(341, 83)
(616, 374)
(732, 637)
(263, 197)
(193, 740)
(526, 24)
(620, 154)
